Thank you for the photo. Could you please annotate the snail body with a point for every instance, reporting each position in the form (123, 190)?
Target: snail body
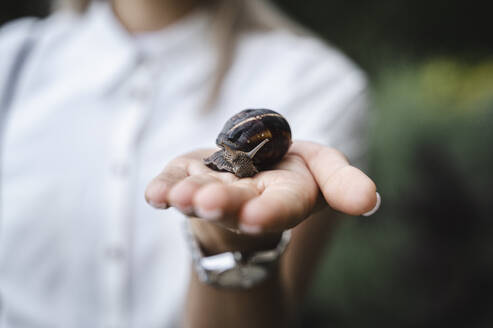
(252, 140)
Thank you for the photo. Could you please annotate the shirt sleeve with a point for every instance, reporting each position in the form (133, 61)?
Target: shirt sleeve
(336, 117)
(319, 90)
(12, 36)
(328, 103)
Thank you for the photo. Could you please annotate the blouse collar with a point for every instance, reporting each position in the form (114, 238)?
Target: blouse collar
(107, 44)
(184, 34)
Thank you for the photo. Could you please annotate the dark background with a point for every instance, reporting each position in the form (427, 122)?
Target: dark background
(426, 258)
(369, 30)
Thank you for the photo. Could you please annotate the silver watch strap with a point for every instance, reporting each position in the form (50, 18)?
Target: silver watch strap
(234, 269)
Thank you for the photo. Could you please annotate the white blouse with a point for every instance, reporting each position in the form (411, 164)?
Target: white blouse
(96, 114)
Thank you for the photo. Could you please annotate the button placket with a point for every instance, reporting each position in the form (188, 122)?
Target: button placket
(120, 169)
(132, 112)
(115, 253)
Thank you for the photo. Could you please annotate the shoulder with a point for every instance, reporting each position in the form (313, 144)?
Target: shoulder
(12, 36)
(44, 31)
(318, 88)
(286, 59)
(15, 31)
(287, 45)
(47, 35)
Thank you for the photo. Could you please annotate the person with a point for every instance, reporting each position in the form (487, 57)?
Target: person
(101, 97)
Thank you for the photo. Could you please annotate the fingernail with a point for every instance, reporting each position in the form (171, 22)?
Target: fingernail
(210, 214)
(163, 205)
(250, 229)
(377, 206)
(236, 231)
(188, 210)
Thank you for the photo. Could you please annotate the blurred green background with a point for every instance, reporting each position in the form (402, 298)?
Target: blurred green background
(426, 258)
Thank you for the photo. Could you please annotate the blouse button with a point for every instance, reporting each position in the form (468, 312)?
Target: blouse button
(115, 253)
(120, 169)
(139, 93)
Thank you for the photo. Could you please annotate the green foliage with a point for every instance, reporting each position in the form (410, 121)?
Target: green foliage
(424, 260)
(413, 104)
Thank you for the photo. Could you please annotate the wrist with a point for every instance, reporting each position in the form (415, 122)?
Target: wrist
(215, 239)
(225, 259)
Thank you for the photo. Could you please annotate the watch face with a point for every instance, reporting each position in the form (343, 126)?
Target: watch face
(242, 276)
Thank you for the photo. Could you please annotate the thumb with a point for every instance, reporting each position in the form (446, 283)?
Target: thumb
(344, 187)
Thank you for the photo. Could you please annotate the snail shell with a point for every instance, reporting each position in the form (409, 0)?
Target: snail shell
(251, 140)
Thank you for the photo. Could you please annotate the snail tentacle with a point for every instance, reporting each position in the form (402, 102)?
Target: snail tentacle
(254, 151)
(241, 132)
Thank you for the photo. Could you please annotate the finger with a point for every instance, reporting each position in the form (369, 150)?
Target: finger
(345, 188)
(182, 193)
(157, 190)
(280, 206)
(222, 202)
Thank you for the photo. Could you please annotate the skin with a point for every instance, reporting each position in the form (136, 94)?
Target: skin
(304, 192)
(150, 15)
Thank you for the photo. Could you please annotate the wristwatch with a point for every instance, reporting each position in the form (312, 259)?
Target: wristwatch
(234, 269)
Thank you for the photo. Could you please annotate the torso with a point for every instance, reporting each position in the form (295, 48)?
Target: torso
(93, 121)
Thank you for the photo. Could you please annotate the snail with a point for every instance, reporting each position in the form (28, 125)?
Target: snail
(252, 140)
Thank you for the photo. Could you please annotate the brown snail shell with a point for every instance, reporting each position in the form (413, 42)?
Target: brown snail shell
(252, 140)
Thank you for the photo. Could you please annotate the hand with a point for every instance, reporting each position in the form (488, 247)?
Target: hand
(308, 178)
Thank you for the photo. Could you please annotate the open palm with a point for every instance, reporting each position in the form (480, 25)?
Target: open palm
(272, 200)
